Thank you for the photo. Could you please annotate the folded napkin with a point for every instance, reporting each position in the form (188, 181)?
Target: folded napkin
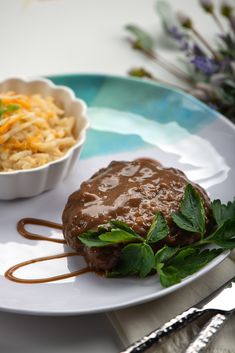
(134, 322)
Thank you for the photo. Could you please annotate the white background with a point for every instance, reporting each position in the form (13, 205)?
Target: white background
(63, 36)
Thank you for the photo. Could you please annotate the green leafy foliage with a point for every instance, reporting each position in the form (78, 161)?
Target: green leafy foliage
(185, 263)
(192, 213)
(172, 264)
(91, 239)
(122, 225)
(7, 108)
(158, 230)
(116, 232)
(228, 46)
(117, 236)
(221, 212)
(224, 236)
(135, 259)
(13, 107)
(165, 254)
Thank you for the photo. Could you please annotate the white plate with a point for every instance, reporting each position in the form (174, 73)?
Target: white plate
(205, 154)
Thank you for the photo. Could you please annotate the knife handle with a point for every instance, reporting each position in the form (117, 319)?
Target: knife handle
(207, 333)
(155, 336)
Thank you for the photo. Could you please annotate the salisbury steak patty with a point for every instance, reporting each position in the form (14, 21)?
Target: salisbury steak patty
(131, 192)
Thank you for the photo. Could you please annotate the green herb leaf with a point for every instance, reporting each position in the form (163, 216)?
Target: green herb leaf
(12, 107)
(224, 236)
(192, 213)
(223, 213)
(158, 230)
(171, 263)
(7, 108)
(91, 239)
(165, 254)
(135, 259)
(118, 236)
(185, 263)
(168, 276)
(143, 39)
(106, 236)
(121, 225)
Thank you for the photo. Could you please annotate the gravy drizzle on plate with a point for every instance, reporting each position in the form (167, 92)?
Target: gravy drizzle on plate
(9, 274)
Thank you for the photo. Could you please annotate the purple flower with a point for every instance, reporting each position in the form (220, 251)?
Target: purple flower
(176, 33)
(206, 65)
(184, 45)
(180, 37)
(197, 51)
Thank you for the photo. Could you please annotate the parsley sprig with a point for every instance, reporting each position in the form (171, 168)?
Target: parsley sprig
(7, 108)
(172, 264)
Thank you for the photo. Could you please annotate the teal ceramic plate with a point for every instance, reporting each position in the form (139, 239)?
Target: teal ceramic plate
(129, 118)
(130, 115)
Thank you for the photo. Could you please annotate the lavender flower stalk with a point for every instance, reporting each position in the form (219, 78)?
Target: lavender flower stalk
(226, 8)
(144, 42)
(211, 71)
(187, 23)
(208, 7)
(143, 73)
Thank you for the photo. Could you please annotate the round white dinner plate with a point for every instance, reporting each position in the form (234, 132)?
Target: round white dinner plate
(129, 118)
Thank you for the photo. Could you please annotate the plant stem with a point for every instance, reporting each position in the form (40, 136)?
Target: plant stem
(169, 66)
(206, 44)
(218, 22)
(165, 64)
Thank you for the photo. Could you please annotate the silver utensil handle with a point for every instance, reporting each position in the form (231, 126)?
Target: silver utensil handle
(207, 334)
(169, 327)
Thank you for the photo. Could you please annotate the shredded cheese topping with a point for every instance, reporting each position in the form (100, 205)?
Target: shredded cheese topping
(33, 131)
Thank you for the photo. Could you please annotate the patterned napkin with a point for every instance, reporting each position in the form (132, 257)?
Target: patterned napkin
(134, 322)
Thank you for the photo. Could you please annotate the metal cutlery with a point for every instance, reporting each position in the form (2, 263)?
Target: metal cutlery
(207, 333)
(221, 301)
(205, 336)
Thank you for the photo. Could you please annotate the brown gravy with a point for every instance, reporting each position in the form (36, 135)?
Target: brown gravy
(9, 274)
(40, 222)
(131, 192)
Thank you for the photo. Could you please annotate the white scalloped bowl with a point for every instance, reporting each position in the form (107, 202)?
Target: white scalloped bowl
(31, 182)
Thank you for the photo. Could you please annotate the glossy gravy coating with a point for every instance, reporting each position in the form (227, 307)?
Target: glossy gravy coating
(131, 192)
(9, 274)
